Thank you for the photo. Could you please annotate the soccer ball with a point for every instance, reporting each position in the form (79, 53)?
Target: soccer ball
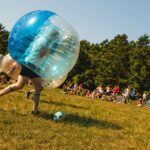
(59, 115)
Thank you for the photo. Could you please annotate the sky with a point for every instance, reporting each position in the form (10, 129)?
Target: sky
(94, 20)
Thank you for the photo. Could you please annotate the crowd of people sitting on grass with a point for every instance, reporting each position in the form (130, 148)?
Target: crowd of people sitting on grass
(108, 93)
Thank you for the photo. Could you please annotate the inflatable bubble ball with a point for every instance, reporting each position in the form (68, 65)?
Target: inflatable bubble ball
(45, 43)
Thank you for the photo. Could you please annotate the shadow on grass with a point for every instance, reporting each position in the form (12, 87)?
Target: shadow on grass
(61, 104)
(83, 121)
(74, 119)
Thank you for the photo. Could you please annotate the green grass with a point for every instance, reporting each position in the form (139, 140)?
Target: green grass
(89, 124)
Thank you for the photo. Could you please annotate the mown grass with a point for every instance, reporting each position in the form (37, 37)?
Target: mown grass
(89, 124)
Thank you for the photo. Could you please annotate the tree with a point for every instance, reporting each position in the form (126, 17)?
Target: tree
(140, 63)
(3, 39)
(113, 64)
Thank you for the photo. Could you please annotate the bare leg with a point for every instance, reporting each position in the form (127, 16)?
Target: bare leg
(16, 86)
(36, 96)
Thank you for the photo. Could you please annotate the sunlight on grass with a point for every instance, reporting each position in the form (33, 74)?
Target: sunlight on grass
(88, 124)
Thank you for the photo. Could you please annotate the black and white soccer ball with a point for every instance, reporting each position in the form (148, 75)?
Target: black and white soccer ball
(59, 116)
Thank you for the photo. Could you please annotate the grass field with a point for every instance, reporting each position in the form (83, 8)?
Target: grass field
(88, 125)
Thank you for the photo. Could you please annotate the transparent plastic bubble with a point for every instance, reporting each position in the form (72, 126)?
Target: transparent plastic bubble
(12, 69)
(53, 83)
(45, 43)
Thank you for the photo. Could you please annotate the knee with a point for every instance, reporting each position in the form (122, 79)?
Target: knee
(18, 86)
(39, 89)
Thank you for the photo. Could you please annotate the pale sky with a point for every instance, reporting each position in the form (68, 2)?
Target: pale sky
(94, 20)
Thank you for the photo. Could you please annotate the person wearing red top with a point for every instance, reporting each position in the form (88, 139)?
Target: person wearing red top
(116, 90)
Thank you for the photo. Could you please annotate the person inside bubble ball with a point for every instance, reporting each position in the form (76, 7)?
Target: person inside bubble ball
(23, 78)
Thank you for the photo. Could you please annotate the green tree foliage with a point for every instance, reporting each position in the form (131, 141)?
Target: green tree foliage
(113, 64)
(117, 61)
(83, 70)
(140, 63)
(3, 39)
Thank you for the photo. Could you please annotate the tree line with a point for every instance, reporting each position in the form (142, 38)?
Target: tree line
(117, 61)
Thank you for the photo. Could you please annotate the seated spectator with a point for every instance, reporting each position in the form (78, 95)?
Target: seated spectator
(93, 94)
(126, 94)
(140, 101)
(75, 89)
(88, 94)
(69, 88)
(108, 90)
(144, 96)
(100, 91)
(64, 88)
(80, 87)
(83, 92)
(115, 91)
(133, 94)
